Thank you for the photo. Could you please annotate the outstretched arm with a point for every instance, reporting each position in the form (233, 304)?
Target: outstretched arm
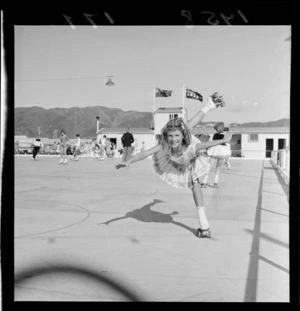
(140, 156)
(208, 144)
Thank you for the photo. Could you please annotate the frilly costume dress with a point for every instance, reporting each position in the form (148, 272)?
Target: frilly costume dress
(184, 171)
(221, 151)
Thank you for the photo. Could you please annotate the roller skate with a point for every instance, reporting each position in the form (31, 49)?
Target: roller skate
(216, 185)
(203, 233)
(203, 185)
(227, 165)
(218, 100)
(60, 161)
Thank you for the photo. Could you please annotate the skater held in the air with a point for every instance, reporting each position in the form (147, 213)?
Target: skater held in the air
(180, 158)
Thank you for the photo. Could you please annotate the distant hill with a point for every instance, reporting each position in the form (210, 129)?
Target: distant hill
(83, 120)
(278, 123)
(75, 120)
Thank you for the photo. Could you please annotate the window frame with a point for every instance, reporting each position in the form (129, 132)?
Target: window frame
(252, 140)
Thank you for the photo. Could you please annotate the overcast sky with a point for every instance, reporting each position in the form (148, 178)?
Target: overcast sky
(57, 66)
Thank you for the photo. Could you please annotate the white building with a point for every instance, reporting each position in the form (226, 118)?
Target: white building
(142, 136)
(162, 115)
(253, 142)
(250, 142)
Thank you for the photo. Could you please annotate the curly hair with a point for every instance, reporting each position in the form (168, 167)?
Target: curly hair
(174, 125)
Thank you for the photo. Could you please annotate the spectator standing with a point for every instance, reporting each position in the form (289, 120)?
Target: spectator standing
(108, 148)
(127, 140)
(103, 146)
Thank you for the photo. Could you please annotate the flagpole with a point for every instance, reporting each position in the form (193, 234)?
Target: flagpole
(153, 106)
(183, 97)
(153, 99)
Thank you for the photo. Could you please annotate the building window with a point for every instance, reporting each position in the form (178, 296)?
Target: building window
(253, 138)
(173, 116)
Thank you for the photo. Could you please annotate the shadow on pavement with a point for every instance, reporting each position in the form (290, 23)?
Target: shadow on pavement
(145, 214)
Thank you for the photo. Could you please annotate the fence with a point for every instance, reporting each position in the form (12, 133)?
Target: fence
(281, 160)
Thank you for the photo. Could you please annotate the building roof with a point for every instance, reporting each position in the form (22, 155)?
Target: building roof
(244, 130)
(202, 130)
(169, 110)
(122, 130)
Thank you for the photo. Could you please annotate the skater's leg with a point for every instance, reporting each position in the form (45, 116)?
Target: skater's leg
(217, 174)
(61, 154)
(198, 198)
(65, 154)
(34, 152)
(228, 164)
(211, 104)
(204, 182)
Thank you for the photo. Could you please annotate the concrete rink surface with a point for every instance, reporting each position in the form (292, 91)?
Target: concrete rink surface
(88, 232)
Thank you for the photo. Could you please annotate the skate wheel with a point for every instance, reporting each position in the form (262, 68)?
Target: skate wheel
(215, 185)
(203, 233)
(203, 185)
(215, 95)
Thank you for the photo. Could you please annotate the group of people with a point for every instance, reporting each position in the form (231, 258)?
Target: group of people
(63, 145)
(181, 159)
(105, 148)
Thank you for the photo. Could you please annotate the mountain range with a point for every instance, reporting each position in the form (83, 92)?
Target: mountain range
(29, 120)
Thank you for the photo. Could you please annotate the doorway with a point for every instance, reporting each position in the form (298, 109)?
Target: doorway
(281, 143)
(269, 147)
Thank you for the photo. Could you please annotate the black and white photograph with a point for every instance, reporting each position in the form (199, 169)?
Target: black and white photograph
(152, 162)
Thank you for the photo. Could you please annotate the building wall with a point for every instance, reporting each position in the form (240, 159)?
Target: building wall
(235, 144)
(258, 149)
(161, 119)
(149, 140)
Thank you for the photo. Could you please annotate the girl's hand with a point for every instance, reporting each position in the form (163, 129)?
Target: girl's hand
(227, 137)
(125, 164)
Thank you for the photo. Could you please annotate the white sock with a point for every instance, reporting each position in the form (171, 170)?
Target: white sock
(205, 179)
(216, 178)
(202, 218)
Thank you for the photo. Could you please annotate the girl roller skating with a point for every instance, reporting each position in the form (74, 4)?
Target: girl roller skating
(180, 158)
(76, 148)
(219, 153)
(64, 141)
